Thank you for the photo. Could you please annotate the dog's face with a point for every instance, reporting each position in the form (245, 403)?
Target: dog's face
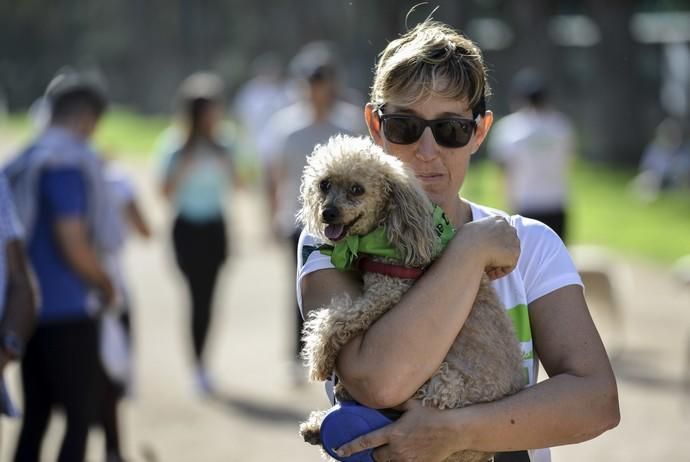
(350, 203)
(351, 187)
(345, 189)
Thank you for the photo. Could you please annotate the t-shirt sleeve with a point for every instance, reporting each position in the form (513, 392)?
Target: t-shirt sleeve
(544, 262)
(64, 191)
(10, 228)
(309, 259)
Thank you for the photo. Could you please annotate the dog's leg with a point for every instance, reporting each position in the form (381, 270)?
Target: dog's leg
(329, 328)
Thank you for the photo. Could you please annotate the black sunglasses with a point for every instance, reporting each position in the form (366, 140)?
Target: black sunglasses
(451, 132)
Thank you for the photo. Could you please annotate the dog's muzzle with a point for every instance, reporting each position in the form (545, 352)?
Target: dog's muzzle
(330, 214)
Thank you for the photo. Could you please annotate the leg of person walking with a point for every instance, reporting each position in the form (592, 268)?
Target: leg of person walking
(112, 394)
(37, 400)
(202, 283)
(200, 250)
(75, 371)
(108, 417)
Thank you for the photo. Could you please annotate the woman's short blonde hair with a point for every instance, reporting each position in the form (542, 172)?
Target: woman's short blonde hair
(431, 59)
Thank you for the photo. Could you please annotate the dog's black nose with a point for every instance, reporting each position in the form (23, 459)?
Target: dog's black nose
(330, 214)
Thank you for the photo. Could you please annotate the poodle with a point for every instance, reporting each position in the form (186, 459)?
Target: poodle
(350, 187)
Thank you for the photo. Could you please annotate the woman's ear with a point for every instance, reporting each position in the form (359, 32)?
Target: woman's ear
(373, 123)
(483, 125)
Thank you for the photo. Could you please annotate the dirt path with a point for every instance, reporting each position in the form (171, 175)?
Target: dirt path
(257, 415)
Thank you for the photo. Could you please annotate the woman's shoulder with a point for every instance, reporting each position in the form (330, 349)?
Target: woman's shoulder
(480, 211)
(532, 233)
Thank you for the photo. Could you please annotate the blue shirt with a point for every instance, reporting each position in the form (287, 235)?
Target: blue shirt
(64, 294)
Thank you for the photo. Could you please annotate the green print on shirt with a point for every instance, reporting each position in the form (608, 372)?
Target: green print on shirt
(520, 317)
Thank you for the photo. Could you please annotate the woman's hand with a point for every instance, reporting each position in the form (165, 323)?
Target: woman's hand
(422, 434)
(494, 242)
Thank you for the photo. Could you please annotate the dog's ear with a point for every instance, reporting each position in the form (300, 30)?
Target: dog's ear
(409, 221)
(308, 214)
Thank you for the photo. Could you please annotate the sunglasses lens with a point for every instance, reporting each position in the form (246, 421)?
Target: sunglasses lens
(402, 130)
(452, 133)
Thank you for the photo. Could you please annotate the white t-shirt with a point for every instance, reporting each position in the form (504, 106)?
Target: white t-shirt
(536, 148)
(544, 266)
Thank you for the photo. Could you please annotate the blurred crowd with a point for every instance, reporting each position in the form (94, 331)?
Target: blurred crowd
(67, 210)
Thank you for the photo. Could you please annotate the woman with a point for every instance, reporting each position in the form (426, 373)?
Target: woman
(196, 179)
(428, 109)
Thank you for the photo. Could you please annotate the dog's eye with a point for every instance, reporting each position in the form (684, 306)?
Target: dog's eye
(356, 189)
(325, 186)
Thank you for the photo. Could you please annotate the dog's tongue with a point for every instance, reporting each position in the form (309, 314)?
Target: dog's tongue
(334, 232)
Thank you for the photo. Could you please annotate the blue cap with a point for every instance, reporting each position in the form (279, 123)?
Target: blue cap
(345, 422)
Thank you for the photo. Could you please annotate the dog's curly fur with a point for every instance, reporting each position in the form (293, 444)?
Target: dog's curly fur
(369, 188)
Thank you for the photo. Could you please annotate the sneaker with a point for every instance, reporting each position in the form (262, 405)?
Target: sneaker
(114, 456)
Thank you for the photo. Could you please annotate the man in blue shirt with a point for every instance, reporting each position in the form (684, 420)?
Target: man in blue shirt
(61, 199)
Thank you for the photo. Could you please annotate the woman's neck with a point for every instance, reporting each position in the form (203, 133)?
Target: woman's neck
(458, 212)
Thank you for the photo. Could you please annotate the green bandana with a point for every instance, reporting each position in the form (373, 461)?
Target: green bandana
(346, 251)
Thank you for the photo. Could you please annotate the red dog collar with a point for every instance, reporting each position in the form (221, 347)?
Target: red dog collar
(368, 265)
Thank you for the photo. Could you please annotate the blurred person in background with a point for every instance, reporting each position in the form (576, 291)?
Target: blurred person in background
(58, 184)
(18, 296)
(117, 367)
(197, 175)
(257, 100)
(295, 130)
(535, 146)
(665, 163)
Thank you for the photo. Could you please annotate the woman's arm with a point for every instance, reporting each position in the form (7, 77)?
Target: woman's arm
(73, 239)
(580, 399)
(175, 172)
(578, 402)
(386, 365)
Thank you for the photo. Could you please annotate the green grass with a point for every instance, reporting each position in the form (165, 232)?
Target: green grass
(121, 133)
(604, 211)
(124, 134)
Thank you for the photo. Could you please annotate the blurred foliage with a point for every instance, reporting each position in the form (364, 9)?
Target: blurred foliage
(146, 47)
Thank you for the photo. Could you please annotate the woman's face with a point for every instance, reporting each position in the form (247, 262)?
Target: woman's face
(210, 118)
(441, 170)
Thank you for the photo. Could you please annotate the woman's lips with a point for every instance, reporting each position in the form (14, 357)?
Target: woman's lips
(428, 177)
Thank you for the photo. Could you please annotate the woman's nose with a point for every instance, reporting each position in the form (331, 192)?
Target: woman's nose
(427, 148)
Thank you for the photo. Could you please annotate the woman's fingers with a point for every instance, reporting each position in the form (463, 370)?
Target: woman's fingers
(369, 441)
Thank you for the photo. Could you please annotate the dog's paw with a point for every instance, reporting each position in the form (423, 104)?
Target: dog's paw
(311, 429)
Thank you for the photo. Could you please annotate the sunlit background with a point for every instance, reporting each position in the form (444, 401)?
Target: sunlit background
(617, 68)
